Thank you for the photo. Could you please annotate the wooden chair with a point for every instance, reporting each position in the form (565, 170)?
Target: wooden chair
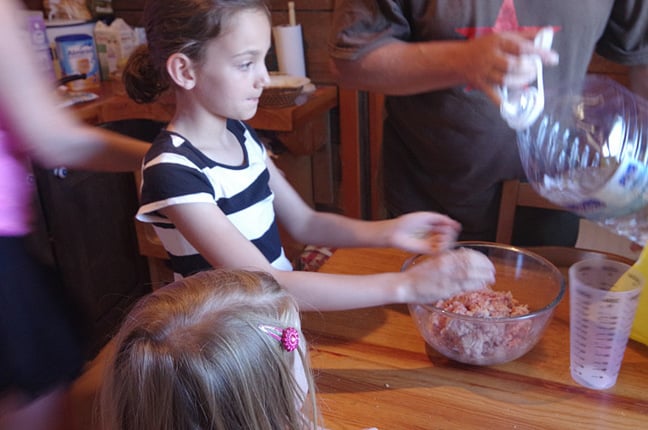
(146, 129)
(514, 194)
(521, 194)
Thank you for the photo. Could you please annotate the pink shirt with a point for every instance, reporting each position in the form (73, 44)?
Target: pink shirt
(16, 189)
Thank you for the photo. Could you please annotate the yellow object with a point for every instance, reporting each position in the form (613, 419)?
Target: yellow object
(638, 270)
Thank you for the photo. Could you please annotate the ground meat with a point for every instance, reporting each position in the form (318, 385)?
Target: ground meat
(481, 342)
(484, 303)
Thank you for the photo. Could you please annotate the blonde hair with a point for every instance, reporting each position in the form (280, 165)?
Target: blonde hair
(191, 356)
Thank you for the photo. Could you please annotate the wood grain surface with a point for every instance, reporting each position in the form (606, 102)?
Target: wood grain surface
(373, 369)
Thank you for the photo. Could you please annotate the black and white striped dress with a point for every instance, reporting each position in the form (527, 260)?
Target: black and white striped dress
(175, 172)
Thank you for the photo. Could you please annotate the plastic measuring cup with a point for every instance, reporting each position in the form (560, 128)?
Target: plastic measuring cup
(600, 320)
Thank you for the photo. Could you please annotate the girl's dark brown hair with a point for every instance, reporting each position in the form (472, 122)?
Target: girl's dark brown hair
(176, 26)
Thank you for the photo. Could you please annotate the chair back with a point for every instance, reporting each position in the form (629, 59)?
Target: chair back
(515, 194)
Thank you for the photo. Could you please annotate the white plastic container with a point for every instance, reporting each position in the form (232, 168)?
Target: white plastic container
(77, 55)
(115, 43)
(56, 28)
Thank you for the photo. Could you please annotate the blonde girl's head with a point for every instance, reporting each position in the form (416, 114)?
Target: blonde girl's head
(177, 26)
(203, 353)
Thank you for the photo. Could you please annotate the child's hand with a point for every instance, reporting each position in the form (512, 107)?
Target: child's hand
(450, 273)
(423, 232)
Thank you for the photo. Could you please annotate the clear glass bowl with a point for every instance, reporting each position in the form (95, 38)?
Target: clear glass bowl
(530, 278)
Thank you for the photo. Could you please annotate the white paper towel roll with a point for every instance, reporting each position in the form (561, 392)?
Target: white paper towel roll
(290, 49)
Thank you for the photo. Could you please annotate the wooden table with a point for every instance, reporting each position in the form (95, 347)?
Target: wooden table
(372, 369)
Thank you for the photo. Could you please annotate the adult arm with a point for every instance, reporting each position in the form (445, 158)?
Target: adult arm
(47, 133)
(625, 41)
(403, 68)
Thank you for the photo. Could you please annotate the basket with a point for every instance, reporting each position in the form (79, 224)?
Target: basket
(279, 96)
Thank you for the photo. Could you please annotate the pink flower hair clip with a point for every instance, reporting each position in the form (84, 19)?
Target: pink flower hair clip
(288, 337)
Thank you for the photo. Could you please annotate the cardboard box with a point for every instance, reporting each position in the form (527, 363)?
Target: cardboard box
(114, 43)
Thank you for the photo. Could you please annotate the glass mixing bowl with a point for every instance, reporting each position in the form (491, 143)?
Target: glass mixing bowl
(530, 278)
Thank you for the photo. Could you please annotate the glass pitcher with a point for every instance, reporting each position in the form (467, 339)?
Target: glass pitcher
(587, 152)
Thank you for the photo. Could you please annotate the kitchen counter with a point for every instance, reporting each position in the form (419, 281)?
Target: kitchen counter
(299, 127)
(373, 369)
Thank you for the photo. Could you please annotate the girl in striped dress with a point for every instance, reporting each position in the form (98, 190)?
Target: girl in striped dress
(215, 197)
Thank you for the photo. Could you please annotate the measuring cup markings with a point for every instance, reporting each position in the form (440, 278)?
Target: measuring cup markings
(600, 321)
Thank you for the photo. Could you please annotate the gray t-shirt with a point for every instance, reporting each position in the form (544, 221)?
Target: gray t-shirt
(449, 150)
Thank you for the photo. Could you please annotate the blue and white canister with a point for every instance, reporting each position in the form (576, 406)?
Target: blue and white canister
(77, 54)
